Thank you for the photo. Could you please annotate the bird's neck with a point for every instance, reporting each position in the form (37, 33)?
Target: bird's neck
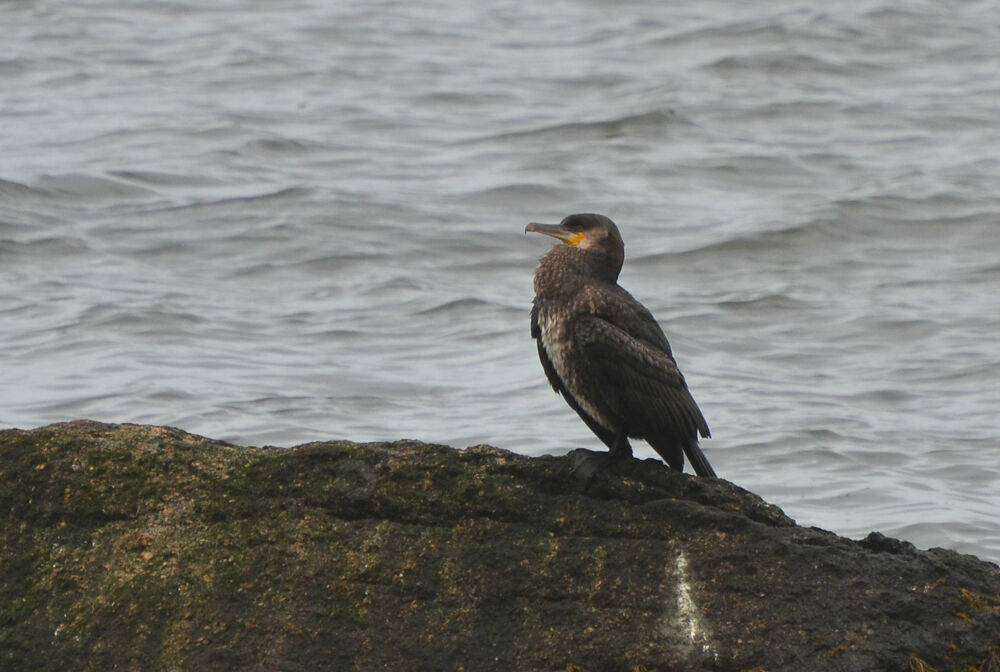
(564, 269)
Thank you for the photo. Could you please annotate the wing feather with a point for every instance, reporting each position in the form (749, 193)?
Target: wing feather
(642, 382)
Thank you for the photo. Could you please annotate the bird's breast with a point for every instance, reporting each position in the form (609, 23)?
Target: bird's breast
(558, 340)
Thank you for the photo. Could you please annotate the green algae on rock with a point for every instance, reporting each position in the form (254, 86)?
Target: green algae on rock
(148, 548)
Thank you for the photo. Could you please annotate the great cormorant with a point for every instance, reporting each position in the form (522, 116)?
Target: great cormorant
(603, 351)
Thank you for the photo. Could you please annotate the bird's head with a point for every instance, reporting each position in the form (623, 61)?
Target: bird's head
(589, 232)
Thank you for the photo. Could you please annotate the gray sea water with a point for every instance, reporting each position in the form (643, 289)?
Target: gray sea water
(273, 223)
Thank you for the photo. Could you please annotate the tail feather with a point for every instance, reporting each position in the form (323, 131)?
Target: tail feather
(698, 460)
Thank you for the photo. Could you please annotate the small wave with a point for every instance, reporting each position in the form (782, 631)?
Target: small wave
(904, 329)
(77, 185)
(16, 189)
(76, 406)
(754, 171)
(282, 146)
(767, 302)
(338, 334)
(615, 127)
(152, 319)
(898, 18)
(160, 179)
(786, 63)
(983, 274)
(746, 32)
(167, 248)
(518, 193)
(170, 394)
(463, 304)
(941, 208)
(45, 249)
(338, 261)
(883, 396)
(773, 240)
(287, 192)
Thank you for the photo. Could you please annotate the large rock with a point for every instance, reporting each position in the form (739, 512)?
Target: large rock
(146, 548)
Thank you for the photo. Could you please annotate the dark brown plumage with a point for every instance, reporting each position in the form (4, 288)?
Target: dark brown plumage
(604, 352)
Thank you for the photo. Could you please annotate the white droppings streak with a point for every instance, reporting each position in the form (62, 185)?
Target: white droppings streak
(689, 619)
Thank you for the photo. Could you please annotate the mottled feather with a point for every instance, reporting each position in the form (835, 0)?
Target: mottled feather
(604, 352)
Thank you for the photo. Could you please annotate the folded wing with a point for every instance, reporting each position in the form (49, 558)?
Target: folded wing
(642, 383)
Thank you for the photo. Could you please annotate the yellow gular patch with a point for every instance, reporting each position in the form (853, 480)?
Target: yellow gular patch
(576, 239)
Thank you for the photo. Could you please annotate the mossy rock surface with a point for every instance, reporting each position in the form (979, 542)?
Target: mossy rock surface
(129, 547)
